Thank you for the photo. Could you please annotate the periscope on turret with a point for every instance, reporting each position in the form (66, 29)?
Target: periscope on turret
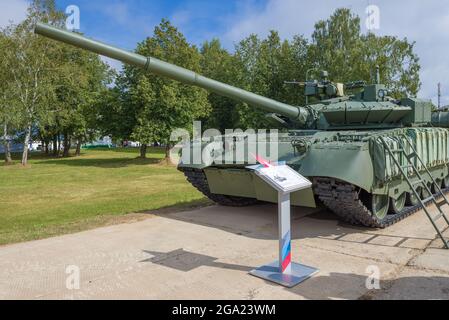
(337, 141)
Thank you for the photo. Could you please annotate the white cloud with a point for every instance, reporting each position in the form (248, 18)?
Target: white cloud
(426, 22)
(180, 18)
(12, 11)
(119, 11)
(127, 16)
(114, 64)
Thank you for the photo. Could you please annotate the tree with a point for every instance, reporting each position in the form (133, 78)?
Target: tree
(9, 117)
(340, 48)
(82, 79)
(161, 105)
(220, 65)
(337, 46)
(55, 85)
(32, 71)
(399, 64)
(266, 65)
(115, 114)
(295, 66)
(247, 53)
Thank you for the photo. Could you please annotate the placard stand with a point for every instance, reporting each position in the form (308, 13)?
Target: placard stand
(284, 272)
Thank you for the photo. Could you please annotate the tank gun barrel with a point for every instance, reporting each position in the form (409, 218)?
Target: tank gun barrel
(171, 71)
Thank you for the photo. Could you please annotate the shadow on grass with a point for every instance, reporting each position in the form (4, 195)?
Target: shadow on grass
(37, 229)
(150, 150)
(100, 163)
(154, 155)
(130, 150)
(31, 156)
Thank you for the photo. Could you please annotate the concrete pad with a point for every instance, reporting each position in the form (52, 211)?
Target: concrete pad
(415, 244)
(207, 254)
(433, 259)
(412, 284)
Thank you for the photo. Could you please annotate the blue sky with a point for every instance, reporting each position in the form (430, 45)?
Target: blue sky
(127, 22)
(124, 23)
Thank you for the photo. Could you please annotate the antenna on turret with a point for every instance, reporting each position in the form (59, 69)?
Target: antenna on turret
(439, 96)
(324, 75)
(377, 74)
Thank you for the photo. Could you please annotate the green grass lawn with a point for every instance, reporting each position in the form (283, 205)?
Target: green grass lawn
(57, 196)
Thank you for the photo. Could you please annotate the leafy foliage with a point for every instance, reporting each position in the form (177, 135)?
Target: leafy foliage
(267, 64)
(161, 105)
(220, 65)
(53, 91)
(339, 47)
(52, 85)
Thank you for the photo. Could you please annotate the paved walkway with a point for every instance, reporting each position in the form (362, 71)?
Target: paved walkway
(207, 254)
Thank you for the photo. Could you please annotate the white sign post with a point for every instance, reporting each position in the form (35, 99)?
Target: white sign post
(285, 181)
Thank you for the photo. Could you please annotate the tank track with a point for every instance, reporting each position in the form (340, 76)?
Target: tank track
(344, 199)
(198, 179)
(347, 201)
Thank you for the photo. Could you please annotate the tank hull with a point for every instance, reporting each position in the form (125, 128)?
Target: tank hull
(355, 161)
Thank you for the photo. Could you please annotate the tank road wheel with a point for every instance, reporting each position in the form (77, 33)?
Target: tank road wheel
(380, 205)
(396, 206)
(357, 206)
(198, 179)
(446, 182)
(411, 199)
(425, 193)
(439, 183)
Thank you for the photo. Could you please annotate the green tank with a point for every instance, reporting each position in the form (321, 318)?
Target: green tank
(364, 151)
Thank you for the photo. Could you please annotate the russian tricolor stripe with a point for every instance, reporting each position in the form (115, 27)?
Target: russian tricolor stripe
(286, 252)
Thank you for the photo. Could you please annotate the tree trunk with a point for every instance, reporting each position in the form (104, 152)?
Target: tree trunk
(167, 154)
(67, 145)
(143, 151)
(78, 148)
(6, 144)
(26, 144)
(55, 146)
(43, 142)
(59, 144)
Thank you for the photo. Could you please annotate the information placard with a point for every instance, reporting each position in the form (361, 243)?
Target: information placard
(283, 178)
(285, 181)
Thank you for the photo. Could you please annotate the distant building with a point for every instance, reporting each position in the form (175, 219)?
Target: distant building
(15, 147)
(18, 147)
(104, 142)
(131, 144)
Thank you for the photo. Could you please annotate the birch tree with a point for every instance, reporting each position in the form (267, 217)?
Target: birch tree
(31, 70)
(9, 114)
(4, 90)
